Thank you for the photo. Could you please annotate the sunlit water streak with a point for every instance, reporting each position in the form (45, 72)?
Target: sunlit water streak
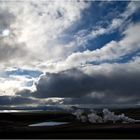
(14, 111)
(48, 124)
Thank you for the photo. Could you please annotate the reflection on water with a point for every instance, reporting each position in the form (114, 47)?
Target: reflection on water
(48, 124)
(8, 111)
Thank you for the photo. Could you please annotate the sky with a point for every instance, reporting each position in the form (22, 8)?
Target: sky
(69, 52)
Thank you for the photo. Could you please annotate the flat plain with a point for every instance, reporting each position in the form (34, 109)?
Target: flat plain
(16, 125)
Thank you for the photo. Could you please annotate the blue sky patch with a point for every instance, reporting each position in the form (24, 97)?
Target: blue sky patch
(24, 72)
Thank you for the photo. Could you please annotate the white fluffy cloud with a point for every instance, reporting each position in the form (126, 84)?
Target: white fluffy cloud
(111, 51)
(36, 27)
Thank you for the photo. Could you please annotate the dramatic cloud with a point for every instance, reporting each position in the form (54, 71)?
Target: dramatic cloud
(68, 83)
(34, 29)
(63, 53)
(94, 84)
(112, 51)
(39, 30)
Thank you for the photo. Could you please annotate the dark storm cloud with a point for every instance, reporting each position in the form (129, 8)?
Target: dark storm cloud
(16, 100)
(104, 100)
(118, 87)
(69, 83)
(74, 83)
(84, 100)
(24, 93)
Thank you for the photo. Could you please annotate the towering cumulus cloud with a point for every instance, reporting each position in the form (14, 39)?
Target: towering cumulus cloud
(69, 52)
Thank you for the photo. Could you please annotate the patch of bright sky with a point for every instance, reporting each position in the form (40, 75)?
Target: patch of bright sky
(5, 32)
(102, 40)
(24, 72)
(16, 79)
